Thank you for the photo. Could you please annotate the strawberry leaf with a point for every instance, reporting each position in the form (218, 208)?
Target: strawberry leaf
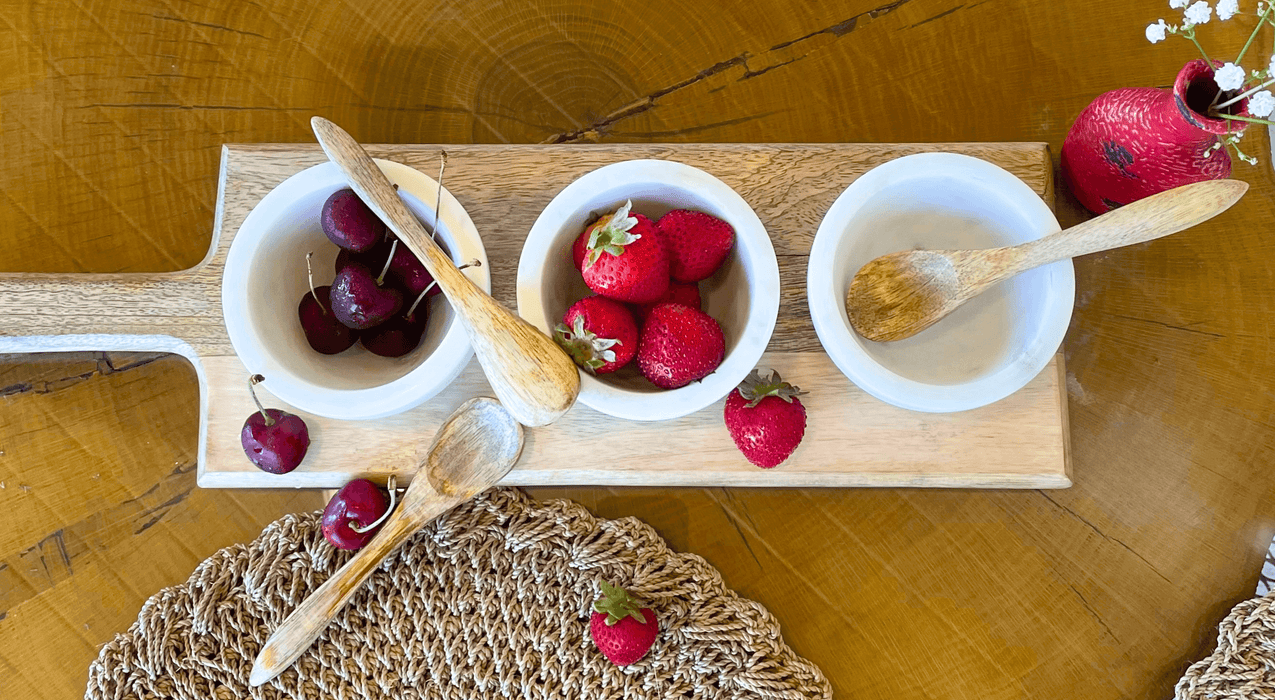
(754, 388)
(612, 236)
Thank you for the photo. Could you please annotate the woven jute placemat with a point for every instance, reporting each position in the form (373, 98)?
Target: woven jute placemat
(1243, 664)
(492, 600)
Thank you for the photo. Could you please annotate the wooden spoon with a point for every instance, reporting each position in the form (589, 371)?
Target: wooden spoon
(472, 451)
(535, 380)
(901, 294)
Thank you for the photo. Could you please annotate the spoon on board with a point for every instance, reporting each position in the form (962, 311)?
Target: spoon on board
(901, 294)
(472, 451)
(534, 378)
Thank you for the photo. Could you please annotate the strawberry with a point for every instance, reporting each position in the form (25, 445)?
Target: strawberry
(697, 243)
(581, 245)
(623, 631)
(624, 258)
(679, 345)
(765, 418)
(678, 293)
(599, 334)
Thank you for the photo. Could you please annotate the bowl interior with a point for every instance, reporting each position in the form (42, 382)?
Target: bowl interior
(276, 282)
(726, 296)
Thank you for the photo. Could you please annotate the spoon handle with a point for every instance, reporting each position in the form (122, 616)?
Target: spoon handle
(534, 378)
(1144, 220)
(292, 638)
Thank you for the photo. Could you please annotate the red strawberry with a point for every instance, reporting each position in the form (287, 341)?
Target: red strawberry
(697, 243)
(679, 345)
(625, 260)
(599, 334)
(765, 418)
(581, 245)
(623, 631)
(686, 293)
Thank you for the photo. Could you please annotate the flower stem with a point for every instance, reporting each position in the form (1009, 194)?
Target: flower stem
(1260, 21)
(1191, 36)
(1247, 119)
(1237, 98)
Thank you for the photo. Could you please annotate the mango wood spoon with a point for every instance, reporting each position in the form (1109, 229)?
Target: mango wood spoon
(901, 294)
(472, 451)
(534, 378)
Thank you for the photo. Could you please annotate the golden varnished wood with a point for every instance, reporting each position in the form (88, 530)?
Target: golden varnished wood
(112, 116)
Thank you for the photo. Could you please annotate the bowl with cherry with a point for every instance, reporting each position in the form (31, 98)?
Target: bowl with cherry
(338, 315)
(659, 280)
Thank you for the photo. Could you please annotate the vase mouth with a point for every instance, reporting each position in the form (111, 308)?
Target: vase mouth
(1195, 92)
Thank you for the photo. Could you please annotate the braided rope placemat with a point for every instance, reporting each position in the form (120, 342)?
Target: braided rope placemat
(491, 600)
(1243, 665)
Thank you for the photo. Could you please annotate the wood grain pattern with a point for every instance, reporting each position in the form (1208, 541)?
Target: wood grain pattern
(473, 449)
(112, 118)
(855, 439)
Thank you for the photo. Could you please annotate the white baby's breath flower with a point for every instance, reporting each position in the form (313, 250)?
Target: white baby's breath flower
(1178, 4)
(1198, 13)
(1229, 77)
(1270, 68)
(1261, 104)
(1226, 9)
(1155, 32)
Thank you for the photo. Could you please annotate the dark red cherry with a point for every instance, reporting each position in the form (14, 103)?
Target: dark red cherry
(348, 222)
(322, 330)
(359, 302)
(397, 336)
(357, 505)
(274, 440)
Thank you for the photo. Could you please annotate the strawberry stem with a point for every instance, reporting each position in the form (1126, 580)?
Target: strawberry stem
(252, 382)
(617, 604)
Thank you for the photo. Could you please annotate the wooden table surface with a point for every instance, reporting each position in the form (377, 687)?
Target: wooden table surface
(111, 120)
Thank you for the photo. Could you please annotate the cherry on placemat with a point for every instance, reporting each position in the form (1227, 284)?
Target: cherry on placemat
(356, 512)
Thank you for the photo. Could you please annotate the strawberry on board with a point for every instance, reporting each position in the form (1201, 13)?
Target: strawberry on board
(622, 630)
(599, 334)
(678, 345)
(686, 293)
(765, 418)
(697, 243)
(624, 258)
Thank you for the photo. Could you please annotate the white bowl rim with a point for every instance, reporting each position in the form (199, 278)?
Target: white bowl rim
(425, 381)
(765, 286)
(832, 325)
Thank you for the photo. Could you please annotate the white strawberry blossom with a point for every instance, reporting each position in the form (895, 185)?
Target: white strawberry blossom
(1198, 13)
(1226, 9)
(1229, 77)
(1261, 104)
(1155, 32)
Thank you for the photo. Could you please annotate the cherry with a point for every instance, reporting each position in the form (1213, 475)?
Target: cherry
(349, 223)
(397, 336)
(274, 440)
(322, 330)
(359, 300)
(409, 272)
(355, 514)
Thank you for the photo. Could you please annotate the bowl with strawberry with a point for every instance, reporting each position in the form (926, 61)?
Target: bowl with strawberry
(336, 313)
(659, 280)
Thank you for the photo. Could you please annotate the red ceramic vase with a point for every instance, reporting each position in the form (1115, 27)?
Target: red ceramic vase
(1134, 142)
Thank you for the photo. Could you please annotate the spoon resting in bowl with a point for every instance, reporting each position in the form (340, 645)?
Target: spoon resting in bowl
(901, 294)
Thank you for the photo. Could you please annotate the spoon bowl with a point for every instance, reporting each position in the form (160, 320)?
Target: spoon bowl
(471, 452)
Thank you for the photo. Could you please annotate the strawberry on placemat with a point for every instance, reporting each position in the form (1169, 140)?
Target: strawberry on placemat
(624, 258)
(765, 418)
(599, 334)
(622, 630)
(697, 243)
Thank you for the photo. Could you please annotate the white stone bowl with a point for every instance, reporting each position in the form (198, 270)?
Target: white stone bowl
(265, 278)
(743, 296)
(987, 349)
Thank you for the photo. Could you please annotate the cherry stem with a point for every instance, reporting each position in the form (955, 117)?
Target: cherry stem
(252, 382)
(438, 198)
(472, 263)
(381, 280)
(309, 273)
(391, 485)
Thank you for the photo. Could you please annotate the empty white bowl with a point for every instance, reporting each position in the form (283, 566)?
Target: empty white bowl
(743, 296)
(265, 278)
(985, 350)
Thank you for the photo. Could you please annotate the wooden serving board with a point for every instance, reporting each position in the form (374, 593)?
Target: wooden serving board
(852, 439)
